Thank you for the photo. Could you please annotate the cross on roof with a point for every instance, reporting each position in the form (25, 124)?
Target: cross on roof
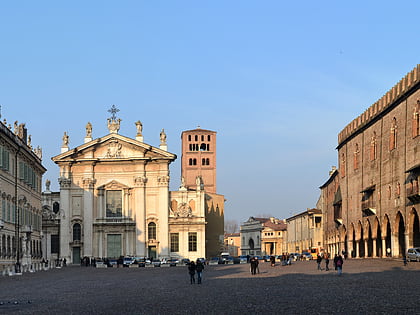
(113, 111)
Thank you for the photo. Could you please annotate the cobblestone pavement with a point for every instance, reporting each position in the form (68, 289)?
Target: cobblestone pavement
(366, 286)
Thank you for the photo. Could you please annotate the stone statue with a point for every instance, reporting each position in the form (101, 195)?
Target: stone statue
(65, 139)
(47, 184)
(163, 137)
(29, 141)
(89, 130)
(113, 125)
(16, 128)
(139, 127)
(21, 130)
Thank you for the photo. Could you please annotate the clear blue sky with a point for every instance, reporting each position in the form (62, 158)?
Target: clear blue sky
(277, 80)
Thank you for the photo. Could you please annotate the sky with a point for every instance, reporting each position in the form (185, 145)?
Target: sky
(277, 80)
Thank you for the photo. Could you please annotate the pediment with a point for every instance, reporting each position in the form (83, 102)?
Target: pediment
(113, 185)
(114, 147)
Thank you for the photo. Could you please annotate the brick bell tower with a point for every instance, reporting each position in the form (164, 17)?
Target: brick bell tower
(199, 158)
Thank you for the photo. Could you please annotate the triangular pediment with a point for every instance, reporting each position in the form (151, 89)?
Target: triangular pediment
(113, 185)
(114, 147)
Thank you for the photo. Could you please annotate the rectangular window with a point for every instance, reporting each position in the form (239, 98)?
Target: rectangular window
(114, 203)
(192, 241)
(174, 242)
(55, 244)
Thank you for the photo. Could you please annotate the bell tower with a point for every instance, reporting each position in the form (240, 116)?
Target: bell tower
(199, 158)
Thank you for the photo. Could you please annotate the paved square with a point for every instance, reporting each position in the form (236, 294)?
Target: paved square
(366, 286)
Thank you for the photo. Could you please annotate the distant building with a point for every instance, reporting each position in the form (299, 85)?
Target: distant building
(304, 232)
(263, 236)
(232, 243)
(274, 237)
(20, 190)
(251, 236)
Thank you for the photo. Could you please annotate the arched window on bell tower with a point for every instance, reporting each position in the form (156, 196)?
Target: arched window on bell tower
(393, 135)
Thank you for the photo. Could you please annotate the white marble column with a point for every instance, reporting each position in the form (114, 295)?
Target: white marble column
(65, 206)
(88, 217)
(163, 224)
(140, 215)
(383, 247)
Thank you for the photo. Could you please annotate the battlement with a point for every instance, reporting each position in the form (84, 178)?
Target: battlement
(386, 101)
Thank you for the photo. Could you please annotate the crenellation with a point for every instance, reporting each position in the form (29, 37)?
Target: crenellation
(407, 82)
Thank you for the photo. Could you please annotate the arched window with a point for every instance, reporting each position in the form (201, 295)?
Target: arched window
(189, 137)
(194, 161)
(203, 147)
(208, 138)
(196, 138)
(393, 135)
(190, 162)
(373, 147)
(77, 232)
(151, 230)
(343, 165)
(356, 157)
(202, 137)
(207, 161)
(56, 207)
(203, 161)
(416, 121)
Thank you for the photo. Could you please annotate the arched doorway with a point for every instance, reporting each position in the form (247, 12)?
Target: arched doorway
(401, 234)
(413, 229)
(369, 240)
(388, 238)
(378, 248)
(416, 230)
(361, 242)
(353, 252)
(251, 244)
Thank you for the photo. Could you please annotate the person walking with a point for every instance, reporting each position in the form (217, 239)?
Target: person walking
(272, 260)
(191, 271)
(318, 261)
(339, 265)
(199, 267)
(253, 262)
(327, 261)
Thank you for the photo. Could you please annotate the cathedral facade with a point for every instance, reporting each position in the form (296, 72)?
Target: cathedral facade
(115, 200)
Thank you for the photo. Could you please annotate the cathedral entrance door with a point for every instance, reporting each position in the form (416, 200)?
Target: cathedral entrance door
(113, 245)
(152, 251)
(76, 255)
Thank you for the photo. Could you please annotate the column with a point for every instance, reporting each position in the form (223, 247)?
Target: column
(407, 241)
(88, 184)
(374, 248)
(365, 241)
(65, 200)
(100, 244)
(383, 247)
(101, 193)
(357, 248)
(139, 215)
(163, 228)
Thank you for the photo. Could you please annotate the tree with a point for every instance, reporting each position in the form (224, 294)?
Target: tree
(231, 226)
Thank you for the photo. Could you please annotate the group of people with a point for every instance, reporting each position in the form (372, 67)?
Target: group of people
(338, 262)
(254, 265)
(196, 267)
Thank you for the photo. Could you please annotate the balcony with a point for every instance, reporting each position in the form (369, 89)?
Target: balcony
(413, 194)
(368, 208)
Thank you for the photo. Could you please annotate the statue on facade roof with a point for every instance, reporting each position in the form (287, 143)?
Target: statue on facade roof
(163, 137)
(89, 130)
(65, 139)
(16, 127)
(139, 127)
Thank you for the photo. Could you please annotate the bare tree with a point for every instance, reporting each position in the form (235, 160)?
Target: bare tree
(231, 226)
